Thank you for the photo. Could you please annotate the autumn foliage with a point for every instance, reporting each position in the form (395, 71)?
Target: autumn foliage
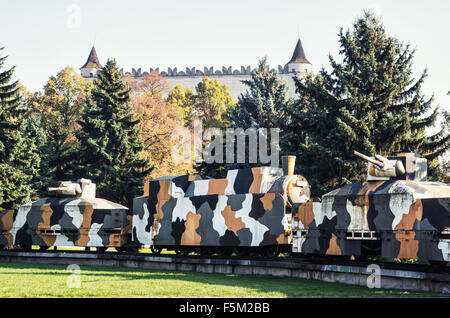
(159, 120)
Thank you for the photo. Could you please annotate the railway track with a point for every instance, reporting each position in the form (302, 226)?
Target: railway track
(389, 275)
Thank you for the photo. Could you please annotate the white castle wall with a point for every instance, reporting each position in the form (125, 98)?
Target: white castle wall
(233, 79)
(190, 77)
(234, 82)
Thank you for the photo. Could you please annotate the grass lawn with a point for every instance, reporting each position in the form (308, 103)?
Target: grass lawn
(42, 280)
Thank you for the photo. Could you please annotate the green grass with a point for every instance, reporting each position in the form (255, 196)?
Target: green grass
(43, 280)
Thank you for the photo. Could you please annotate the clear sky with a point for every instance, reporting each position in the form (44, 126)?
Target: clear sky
(42, 37)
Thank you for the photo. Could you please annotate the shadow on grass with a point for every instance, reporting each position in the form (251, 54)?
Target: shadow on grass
(290, 287)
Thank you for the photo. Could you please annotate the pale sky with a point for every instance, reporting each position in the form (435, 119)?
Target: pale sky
(42, 37)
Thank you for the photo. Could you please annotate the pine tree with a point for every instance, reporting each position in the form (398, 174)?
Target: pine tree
(19, 161)
(369, 102)
(110, 146)
(44, 176)
(262, 106)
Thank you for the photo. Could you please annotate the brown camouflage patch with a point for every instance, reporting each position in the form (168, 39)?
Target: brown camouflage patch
(7, 220)
(7, 225)
(128, 228)
(283, 238)
(146, 188)
(267, 201)
(115, 240)
(233, 224)
(162, 196)
(362, 198)
(49, 239)
(257, 179)
(334, 249)
(217, 186)
(190, 236)
(164, 187)
(85, 226)
(305, 214)
(372, 170)
(404, 233)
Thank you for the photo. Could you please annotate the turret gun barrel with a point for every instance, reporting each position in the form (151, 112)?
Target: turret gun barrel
(58, 189)
(67, 187)
(369, 159)
(383, 167)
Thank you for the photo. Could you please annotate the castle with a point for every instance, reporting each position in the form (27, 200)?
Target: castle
(189, 78)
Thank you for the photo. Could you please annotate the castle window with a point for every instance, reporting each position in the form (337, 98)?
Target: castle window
(91, 74)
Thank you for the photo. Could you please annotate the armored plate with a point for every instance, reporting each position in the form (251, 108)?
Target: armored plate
(66, 221)
(410, 218)
(239, 210)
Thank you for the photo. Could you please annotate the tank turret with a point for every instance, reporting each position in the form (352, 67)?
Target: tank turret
(404, 166)
(83, 188)
(71, 216)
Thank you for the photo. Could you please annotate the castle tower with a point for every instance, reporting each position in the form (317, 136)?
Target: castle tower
(298, 62)
(92, 66)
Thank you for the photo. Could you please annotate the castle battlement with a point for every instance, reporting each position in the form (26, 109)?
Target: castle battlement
(207, 71)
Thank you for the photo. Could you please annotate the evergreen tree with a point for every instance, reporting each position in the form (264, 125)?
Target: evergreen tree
(58, 109)
(19, 161)
(110, 146)
(45, 173)
(369, 102)
(262, 106)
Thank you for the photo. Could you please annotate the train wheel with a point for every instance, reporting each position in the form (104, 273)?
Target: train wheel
(182, 251)
(438, 264)
(224, 251)
(242, 251)
(156, 250)
(127, 249)
(207, 251)
(269, 251)
(44, 248)
(25, 247)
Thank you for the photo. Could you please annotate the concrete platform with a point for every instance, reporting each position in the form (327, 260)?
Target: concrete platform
(372, 276)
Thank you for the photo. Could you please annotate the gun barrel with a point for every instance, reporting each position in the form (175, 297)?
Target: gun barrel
(375, 162)
(58, 188)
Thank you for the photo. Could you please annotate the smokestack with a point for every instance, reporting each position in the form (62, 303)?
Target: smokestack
(288, 164)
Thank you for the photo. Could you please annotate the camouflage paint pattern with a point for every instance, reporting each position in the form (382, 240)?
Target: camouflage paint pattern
(66, 220)
(247, 208)
(409, 218)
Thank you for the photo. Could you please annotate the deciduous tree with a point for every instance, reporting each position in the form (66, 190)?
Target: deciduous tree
(159, 120)
(59, 108)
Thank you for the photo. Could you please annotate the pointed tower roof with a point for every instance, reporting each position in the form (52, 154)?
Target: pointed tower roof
(92, 61)
(299, 54)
